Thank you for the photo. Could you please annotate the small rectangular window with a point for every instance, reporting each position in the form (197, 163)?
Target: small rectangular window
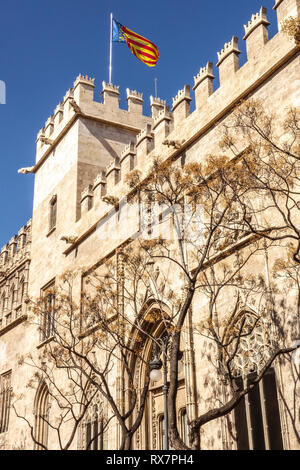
(53, 213)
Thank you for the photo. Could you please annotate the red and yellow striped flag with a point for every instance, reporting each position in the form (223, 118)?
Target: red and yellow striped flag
(145, 50)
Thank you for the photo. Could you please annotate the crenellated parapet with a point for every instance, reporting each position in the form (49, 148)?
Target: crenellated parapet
(285, 9)
(163, 130)
(14, 277)
(181, 105)
(16, 251)
(203, 84)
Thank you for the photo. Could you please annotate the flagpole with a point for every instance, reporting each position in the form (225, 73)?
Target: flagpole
(110, 47)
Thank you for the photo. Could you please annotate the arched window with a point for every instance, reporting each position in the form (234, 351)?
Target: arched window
(161, 431)
(93, 425)
(12, 297)
(257, 417)
(48, 313)
(21, 290)
(2, 309)
(41, 410)
(183, 426)
(150, 435)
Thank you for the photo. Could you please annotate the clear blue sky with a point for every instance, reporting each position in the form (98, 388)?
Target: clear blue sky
(45, 45)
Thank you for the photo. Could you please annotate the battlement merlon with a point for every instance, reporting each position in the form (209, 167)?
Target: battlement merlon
(162, 125)
(86, 199)
(58, 114)
(286, 8)
(17, 243)
(181, 105)
(204, 84)
(135, 101)
(113, 172)
(111, 95)
(156, 105)
(99, 186)
(257, 19)
(83, 89)
(256, 33)
(128, 158)
(144, 142)
(228, 60)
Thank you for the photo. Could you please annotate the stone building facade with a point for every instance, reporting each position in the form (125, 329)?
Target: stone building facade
(84, 152)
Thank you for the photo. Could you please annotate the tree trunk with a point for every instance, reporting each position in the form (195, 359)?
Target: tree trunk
(126, 441)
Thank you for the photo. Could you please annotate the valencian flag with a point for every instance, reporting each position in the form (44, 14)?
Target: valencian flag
(141, 47)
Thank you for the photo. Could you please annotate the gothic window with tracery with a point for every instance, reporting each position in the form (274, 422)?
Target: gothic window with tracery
(254, 347)
(93, 425)
(257, 417)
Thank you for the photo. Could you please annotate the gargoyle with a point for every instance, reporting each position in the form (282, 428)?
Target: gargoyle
(26, 171)
(177, 144)
(69, 239)
(75, 106)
